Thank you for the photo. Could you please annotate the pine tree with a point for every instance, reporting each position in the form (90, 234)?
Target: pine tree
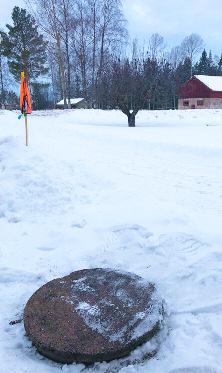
(24, 46)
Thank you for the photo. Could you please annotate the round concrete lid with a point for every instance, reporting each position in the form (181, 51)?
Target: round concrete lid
(92, 315)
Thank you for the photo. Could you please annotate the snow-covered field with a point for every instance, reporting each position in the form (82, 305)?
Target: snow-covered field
(90, 192)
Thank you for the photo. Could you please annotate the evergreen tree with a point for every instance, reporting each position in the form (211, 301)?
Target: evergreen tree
(202, 67)
(219, 68)
(41, 96)
(11, 99)
(151, 77)
(210, 61)
(24, 46)
(182, 73)
(166, 86)
(178, 76)
(206, 65)
(212, 68)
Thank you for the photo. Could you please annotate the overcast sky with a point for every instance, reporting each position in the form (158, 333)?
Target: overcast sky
(173, 19)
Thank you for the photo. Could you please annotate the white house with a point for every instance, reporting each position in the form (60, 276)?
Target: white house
(76, 103)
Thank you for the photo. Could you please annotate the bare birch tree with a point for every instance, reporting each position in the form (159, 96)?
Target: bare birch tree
(48, 15)
(68, 24)
(100, 31)
(156, 46)
(191, 46)
(85, 34)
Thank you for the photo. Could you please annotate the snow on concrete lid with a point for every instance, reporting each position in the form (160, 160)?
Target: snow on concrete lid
(212, 82)
(73, 101)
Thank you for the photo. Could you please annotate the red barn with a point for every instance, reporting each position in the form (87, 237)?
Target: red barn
(201, 92)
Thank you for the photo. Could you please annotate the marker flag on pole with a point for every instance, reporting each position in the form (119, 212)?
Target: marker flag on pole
(25, 103)
(25, 98)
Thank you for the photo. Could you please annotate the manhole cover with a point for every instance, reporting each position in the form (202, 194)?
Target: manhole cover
(92, 315)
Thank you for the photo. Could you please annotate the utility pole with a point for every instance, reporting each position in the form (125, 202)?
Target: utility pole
(1, 78)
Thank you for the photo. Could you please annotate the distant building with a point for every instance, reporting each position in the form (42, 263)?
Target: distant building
(201, 92)
(76, 103)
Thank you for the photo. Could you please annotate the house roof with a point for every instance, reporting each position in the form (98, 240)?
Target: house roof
(212, 82)
(73, 101)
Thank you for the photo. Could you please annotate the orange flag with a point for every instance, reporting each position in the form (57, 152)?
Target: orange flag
(25, 98)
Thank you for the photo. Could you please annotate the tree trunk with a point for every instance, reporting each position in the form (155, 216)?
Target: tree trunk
(131, 120)
(60, 57)
(2, 85)
(83, 56)
(68, 75)
(62, 70)
(191, 67)
(67, 55)
(93, 96)
(53, 85)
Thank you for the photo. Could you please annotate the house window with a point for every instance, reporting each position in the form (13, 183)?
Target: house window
(200, 102)
(186, 103)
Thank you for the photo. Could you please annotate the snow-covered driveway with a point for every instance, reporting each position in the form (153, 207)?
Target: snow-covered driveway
(90, 192)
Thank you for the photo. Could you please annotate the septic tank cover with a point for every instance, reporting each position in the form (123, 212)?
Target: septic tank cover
(92, 315)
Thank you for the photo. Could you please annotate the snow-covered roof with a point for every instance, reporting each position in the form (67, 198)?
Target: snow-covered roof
(212, 82)
(73, 101)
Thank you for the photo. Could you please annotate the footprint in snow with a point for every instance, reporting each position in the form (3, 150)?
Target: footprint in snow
(2, 215)
(14, 220)
(79, 225)
(195, 370)
(45, 248)
(6, 140)
(131, 232)
(181, 243)
(213, 309)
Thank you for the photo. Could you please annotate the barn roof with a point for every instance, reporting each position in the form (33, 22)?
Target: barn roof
(73, 101)
(212, 82)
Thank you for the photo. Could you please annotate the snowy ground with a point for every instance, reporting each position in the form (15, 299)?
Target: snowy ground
(90, 192)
